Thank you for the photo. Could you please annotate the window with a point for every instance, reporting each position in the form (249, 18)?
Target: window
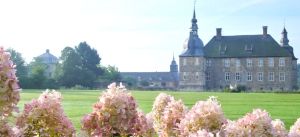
(271, 76)
(281, 76)
(184, 76)
(237, 76)
(197, 75)
(226, 63)
(197, 61)
(281, 62)
(249, 62)
(208, 63)
(260, 62)
(249, 76)
(238, 63)
(227, 76)
(207, 76)
(271, 62)
(184, 61)
(260, 76)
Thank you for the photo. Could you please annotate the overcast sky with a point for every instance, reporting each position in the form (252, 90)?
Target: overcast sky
(137, 35)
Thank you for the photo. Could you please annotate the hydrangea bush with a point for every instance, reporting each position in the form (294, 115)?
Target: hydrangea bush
(206, 115)
(295, 129)
(45, 117)
(115, 114)
(159, 105)
(255, 124)
(9, 93)
(9, 89)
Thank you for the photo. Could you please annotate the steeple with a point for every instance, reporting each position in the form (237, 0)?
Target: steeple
(195, 44)
(173, 66)
(194, 24)
(284, 38)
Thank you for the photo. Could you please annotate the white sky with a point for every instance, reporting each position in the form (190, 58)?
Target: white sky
(137, 35)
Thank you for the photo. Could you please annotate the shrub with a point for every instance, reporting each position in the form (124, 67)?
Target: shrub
(206, 115)
(45, 117)
(255, 124)
(115, 114)
(295, 129)
(9, 93)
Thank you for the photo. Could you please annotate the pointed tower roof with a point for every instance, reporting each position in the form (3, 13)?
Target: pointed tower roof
(284, 38)
(195, 44)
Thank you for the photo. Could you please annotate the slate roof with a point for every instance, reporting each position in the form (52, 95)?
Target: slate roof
(48, 58)
(150, 76)
(244, 46)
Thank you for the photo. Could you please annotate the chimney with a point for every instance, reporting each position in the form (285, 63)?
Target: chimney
(265, 30)
(219, 32)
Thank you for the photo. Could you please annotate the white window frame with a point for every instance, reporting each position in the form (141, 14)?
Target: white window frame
(226, 63)
(260, 76)
(249, 63)
(184, 76)
(238, 76)
(197, 61)
(281, 76)
(260, 62)
(208, 63)
(238, 63)
(281, 62)
(271, 62)
(227, 76)
(184, 61)
(249, 76)
(271, 76)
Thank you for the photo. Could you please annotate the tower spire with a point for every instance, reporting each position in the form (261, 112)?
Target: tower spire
(284, 38)
(194, 21)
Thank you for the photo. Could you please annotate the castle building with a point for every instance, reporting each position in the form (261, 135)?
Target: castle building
(155, 80)
(50, 61)
(256, 62)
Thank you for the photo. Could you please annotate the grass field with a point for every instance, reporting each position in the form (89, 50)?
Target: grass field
(282, 106)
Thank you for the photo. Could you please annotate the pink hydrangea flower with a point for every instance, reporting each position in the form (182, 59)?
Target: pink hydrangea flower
(279, 128)
(115, 114)
(206, 115)
(159, 105)
(9, 89)
(295, 129)
(45, 117)
(255, 124)
(201, 133)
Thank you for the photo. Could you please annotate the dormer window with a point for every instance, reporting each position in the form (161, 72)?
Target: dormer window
(223, 49)
(249, 48)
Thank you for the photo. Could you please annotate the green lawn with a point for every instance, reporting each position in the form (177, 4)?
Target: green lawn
(286, 107)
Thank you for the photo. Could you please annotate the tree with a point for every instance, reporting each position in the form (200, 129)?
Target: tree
(71, 68)
(36, 75)
(111, 74)
(89, 57)
(22, 70)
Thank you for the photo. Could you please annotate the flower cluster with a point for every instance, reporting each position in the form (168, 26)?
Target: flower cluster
(144, 125)
(256, 124)
(279, 128)
(172, 115)
(201, 133)
(45, 117)
(9, 89)
(206, 115)
(159, 105)
(295, 129)
(9, 93)
(115, 114)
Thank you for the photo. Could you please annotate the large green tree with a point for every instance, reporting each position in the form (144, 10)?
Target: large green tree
(89, 57)
(111, 74)
(71, 68)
